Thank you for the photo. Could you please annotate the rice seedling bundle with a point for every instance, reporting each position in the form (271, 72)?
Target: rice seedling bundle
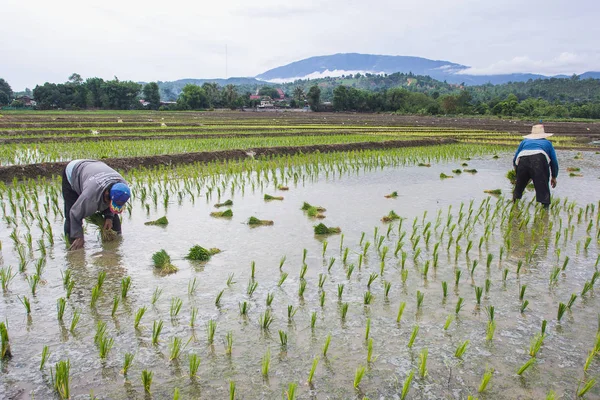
(162, 261)
(162, 221)
(97, 219)
(253, 221)
(322, 229)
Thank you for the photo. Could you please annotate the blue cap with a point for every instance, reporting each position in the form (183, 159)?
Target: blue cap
(119, 194)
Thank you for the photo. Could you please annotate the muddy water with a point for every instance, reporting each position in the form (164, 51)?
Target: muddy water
(355, 203)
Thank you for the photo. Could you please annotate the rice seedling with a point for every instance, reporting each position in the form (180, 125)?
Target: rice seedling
(162, 221)
(404, 275)
(60, 379)
(368, 297)
(406, 385)
(290, 394)
(268, 197)
(33, 281)
(325, 243)
(211, 328)
(6, 276)
(156, 329)
(461, 349)
(313, 320)
(488, 263)
(5, 352)
(587, 286)
(588, 360)
(227, 203)
(138, 317)
(291, 311)
(586, 388)
(303, 271)
(127, 362)
(125, 286)
(45, 356)
(176, 304)
(266, 319)
(25, 301)
(387, 285)
(97, 219)
(175, 347)
(391, 216)
(565, 262)
(349, 271)
(444, 176)
(270, 297)
(344, 310)
(199, 253)
(252, 269)
(400, 311)
(368, 328)
(358, 375)
(322, 229)
(104, 346)
(193, 365)
(331, 262)
(372, 278)
(487, 286)
(74, 320)
(156, 295)
(413, 336)
(392, 195)
(322, 279)
(487, 376)
(420, 297)
(252, 285)
(39, 266)
(471, 171)
(423, 362)
(162, 261)
(115, 306)
(544, 323)
(266, 362)
(326, 345)
(524, 305)
(222, 214)
(504, 274)
(312, 371)
(253, 221)
(340, 290)
(457, 275)
(449, 320)
(230, 280)
(301, 288)
(283, 338)
(322, 299)
(100, 332)
(536, 344)
(444, 289)
(147, 380)
(95, 295)
(478, 293)
(562, 307)
(491, 328)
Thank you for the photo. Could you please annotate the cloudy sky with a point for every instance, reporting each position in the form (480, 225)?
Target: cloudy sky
(150, 40)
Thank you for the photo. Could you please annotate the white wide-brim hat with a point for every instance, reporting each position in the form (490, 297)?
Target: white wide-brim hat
(537, 132)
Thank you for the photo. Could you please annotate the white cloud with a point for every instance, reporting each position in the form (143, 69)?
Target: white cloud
(565, 63)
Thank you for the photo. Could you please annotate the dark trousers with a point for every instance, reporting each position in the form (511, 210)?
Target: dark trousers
(70, 197)
(534, 167)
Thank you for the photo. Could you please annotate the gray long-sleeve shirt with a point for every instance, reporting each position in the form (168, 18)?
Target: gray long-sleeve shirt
(89, 179)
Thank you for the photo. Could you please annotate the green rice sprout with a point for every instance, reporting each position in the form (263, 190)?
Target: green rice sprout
(370, 351)
(344, 310)
(60, 378)
(400, 311)
(519, 265)
(423, 362)
(25, 301)
(193, 365)
(457, 275)
(162, 221)
(459, 305)
(368, 298)
(326, 345)
(282, 261)
(176, 304)
(269, 197)
(536, 344)
(544, 323)
(229, 342)
(478, 293)
(391, 216)
(222, 214)
(115, 306)
(6, 276)
(587, 286)
(489, 259)
(524, 306)
(322, 299)
(524, 367)
(331, 262)
(303, 271)
(45, 356)
(444, 289)
(490, 311)
(227, 203)
(156, 295)
(74, 320)
(372, 278)
(588, 360)
(301, 288)
(125, 286)
(313, 369)
(488, 284)
(449, 320)
(101, 279)
(218, 298)
(504, 274)
(5, 352)
(322, 229)
(586, 388)
(420, 297)
(138, 317)
(127, 362)
(387, 285)
(461, 349)
(95, 295)
(340, 290)
(252, 285)
(230, 280)
(413, 336)
(270, 297)
(192, 286)
(404, 275)
(290, 394)
(162, 261)
(564, 267)
(147, 380)
(33, 281)
(175, 347)
(325, 243)
(368, 328)
(104, 346)
(392, 195)
(265, 319)
(100, 332)
(283, 338)
(491, 328)
(253, 221)
(349, 271)
(562, 307)
(322, 279)
(291, 311)
(313, 320)
(252, 269)
(266, 362)
(199, 253)
(211, 328)
(487, 376)
(406, 385)
(358, 375)
(156, 329)
(231, 390)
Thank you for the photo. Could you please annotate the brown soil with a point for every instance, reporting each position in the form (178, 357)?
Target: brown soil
(21, 172)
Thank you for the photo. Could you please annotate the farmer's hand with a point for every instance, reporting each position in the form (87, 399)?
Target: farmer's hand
(77, 244)
(553, 182)
(108, 224)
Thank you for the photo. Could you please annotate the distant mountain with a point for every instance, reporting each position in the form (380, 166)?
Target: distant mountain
(218, 81)
(352, 63)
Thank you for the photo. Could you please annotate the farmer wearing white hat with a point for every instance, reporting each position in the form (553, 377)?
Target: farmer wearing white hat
(535, 160)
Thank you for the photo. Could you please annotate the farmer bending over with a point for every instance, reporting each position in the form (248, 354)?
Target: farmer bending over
(90, 186)
(531, 161)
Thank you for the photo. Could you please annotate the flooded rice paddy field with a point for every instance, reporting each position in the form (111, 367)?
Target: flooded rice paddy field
(448, 211)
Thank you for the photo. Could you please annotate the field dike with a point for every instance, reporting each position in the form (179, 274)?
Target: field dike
(41, 170)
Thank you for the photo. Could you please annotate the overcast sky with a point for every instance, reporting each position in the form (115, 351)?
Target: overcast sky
(150, 40)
